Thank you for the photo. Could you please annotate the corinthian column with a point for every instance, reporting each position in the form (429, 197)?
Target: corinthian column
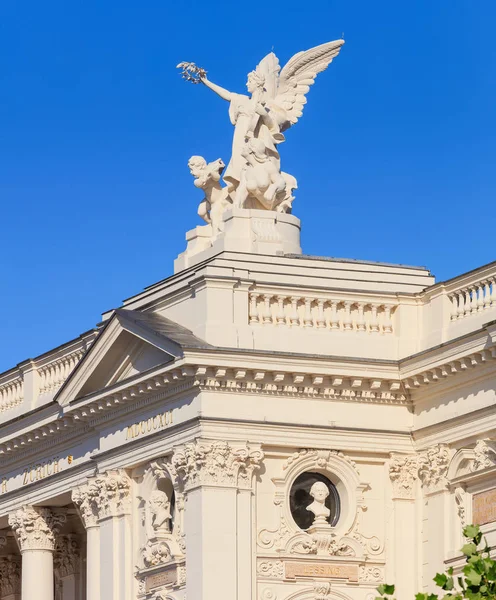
(35, 530)
(86, 498)
(217, 478)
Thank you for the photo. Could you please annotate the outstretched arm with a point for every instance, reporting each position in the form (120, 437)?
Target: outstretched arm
(220, 91)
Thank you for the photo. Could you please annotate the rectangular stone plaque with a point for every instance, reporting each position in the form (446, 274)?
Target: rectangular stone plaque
(293, 570)
(156, 580)
(484, 507)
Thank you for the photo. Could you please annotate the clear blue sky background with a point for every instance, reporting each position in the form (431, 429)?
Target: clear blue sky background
(395, 155)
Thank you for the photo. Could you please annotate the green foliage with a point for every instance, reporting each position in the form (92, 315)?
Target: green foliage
(479, 574)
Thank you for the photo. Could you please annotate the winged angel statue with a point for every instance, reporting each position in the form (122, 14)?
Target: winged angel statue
(275, 102)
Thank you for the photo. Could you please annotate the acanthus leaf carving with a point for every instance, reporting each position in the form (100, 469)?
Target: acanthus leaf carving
(216, 463)
(272, 569)
(10, 576)
(403, 472)
(484, 455)
(105, 495)
(433, 467)
(35, 528)
(371, 574)
(67, 556)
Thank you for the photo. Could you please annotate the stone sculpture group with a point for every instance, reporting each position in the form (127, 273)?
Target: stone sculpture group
(253, 176)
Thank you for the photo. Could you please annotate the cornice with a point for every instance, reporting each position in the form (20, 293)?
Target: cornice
(262, 373)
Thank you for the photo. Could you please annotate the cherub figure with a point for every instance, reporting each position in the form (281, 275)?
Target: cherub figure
(160, 511)
(319, 492)
(207, 178)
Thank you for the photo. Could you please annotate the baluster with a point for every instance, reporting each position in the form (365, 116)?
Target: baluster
(493, 291)
(374, 322)
(487, 294)
(320, 313)
(454, 306)
(253, 313)
(473, 303)
(480, 297)
(334, 320)
(461, 305)
(388, 323)
(308, 319)
(347, 322)
(361, 318)
(281, 317)
(267, 315)
(294, 317)
(467, 301)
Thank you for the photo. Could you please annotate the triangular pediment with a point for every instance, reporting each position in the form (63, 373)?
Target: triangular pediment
(129, 344)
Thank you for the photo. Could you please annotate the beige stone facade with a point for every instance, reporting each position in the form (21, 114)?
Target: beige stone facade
(262, 425)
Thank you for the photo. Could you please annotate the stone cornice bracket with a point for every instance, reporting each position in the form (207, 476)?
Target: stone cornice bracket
(484, 455)
(35, 528)
(322, 590)
(106, 495)
(216, 464)
(403, 472)
(10, 576)
(67, 556)
(433, 466)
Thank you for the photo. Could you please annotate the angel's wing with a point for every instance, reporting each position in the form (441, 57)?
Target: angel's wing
(268, 68)
(298, 75)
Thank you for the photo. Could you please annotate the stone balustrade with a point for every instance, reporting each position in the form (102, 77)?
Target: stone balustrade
(53, 375)
(35, 382)
(337, 314)
(473, 298)
(11, 391)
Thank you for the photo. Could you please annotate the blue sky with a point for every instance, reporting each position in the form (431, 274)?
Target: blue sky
(394, 155)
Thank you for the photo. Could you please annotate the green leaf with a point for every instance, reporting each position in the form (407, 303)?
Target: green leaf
(449, 585)
(385, 589)
(473, 578)
(421, 596)
(470, 531)
(440, 580)
(469, 549)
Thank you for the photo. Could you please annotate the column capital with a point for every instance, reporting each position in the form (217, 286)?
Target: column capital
(433, 468)
(10, 575)
(35, 528)
(106, 495)
(216, 463)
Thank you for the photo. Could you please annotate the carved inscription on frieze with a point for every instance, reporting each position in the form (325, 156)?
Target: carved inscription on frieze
(168, 577)
(292, 570)
(484, 507)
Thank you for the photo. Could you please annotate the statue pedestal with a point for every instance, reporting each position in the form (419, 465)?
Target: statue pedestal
(244, 230)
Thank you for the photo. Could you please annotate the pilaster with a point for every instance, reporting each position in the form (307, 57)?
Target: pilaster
(105, 508)
(403, 472)
(217, 478)
(433, 469)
